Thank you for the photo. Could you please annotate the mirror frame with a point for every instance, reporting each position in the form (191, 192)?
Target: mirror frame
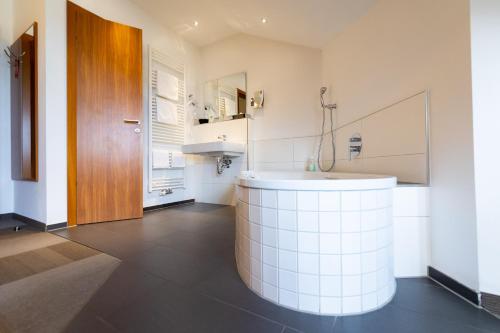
(24, 110)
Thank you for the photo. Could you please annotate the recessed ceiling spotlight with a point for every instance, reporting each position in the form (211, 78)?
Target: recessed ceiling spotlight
(196, 23)
(264, 20)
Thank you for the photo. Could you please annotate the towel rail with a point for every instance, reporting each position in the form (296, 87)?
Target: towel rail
(161, 135)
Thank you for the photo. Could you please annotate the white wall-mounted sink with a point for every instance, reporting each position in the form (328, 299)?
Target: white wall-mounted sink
(216, 148)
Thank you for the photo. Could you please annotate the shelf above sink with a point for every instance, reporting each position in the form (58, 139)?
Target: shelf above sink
(215, 149)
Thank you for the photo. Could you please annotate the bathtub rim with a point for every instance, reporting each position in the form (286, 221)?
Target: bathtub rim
(347, 182)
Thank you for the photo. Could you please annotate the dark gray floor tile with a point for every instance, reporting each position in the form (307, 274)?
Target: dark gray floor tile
(86, 322)
(123, 287)
(227, 286)
(172, 265)
(393, 319)
(430, 298)
(178, 275)
(171, 308)
(105, 241)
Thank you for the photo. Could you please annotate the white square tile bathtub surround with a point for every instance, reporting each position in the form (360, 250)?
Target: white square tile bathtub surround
(255, 214)
(308, 221)
(255, 250)
(270, 256)
(256, 268)
(369, 220)
(270, 237)
(351, 305)
(308, 263)
(270, 275)
(257, 285)
(287, 240)
(269, 217)
(351, 221)
(269, 199)
(256, 232)
(329, 222)
(308, 242)
(369, 282)
(330, 264)
(287, 219)
(331, 286)
(369, 262)
(369, 301)
(255, 197)
(288, 280)
(307, 201)
(288, 298)
(243, 194)
(270, 292)
(244, 210)
(317, 251)
(368, 200)
(309, 284)
(351, 201)
(331, 305)
(351, 243)
(329, 243)
(308, 303)
(329, 201)
(287, 200)
(351, 285)
(288, 260)
(351, 264)
(384, 198)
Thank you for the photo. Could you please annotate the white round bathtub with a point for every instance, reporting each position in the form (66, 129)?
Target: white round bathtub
(316, 242)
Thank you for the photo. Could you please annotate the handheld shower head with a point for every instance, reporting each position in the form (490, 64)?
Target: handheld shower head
(330, 107)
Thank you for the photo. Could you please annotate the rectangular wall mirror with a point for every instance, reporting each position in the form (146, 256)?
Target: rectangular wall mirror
(22, 57)
(225, 98)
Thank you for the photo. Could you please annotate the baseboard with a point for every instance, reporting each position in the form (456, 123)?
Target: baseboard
(6, 216)
(29, 221)
(491, 303)
(167, 205)
(37, 224)
(455, 286)
(61, 225)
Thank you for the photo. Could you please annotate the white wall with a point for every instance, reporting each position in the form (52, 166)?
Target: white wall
(6, 184)
(290, 77)
(394, 141)
(485, 29)
(399, 48)
(46, 200)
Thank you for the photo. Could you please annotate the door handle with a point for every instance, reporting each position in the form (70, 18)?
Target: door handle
(132, 121)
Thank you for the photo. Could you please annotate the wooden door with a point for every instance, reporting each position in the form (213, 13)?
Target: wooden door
(104, 119)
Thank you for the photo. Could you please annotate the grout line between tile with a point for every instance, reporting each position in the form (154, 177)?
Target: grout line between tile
(241, 309)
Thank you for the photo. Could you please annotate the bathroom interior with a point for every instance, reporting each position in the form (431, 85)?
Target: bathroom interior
(249, 166)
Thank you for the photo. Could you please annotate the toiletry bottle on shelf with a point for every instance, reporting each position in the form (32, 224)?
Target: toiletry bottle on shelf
(311, 165)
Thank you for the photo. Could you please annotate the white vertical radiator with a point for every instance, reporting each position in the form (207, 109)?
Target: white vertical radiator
(165, 137)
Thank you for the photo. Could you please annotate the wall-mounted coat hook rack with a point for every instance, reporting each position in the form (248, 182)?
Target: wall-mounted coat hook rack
(14, 59)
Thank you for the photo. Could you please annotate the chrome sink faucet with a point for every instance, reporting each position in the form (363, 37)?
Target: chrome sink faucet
(222, 137)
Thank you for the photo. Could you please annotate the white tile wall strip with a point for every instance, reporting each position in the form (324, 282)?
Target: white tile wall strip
(160, 134)
(290, 153)
(290, 281)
